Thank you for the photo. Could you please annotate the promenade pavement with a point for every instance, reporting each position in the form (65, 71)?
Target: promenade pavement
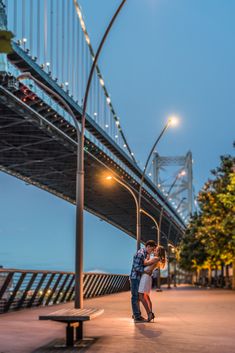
(189, 320)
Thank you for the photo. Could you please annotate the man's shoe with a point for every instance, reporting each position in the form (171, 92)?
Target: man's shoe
(142, 318)
(139, 320)
(138, 317)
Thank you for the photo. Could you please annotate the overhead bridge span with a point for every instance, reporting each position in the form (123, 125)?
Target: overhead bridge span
(38, 145)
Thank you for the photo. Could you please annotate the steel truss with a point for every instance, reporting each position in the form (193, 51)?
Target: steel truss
(181, 194)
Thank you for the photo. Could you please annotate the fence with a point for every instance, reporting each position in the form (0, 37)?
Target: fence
(27, 288)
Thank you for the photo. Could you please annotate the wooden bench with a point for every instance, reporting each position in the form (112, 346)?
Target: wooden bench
(74, 319)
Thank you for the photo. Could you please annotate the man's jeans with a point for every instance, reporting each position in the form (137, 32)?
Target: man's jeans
(134, 298)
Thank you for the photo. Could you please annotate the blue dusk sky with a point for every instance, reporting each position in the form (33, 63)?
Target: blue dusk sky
(162, 57)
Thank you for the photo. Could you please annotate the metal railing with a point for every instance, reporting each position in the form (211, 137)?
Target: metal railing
(29, 288)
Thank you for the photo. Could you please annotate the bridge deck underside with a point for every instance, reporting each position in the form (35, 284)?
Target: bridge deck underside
(35, 153)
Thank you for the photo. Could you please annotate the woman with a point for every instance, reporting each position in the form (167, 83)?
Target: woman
(159, 260)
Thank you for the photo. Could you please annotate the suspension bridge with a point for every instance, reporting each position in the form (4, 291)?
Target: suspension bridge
(38, 144)
(37, 135)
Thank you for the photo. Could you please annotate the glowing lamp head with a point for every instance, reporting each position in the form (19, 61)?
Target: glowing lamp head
(173, 121)
(182, 173)
(109, 177)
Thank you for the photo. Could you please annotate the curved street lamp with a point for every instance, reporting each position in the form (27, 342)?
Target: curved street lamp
(80, 176)
(179, 175)
(171, 121)
(80, 164)
(138, 211)
(152, 218)
(170, 246)
(29, 76)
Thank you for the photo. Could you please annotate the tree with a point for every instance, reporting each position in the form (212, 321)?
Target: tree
(217, 204)
(192, 253)
(210, 237)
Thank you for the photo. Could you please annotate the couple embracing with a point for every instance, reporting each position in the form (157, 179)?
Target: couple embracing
(141, 280)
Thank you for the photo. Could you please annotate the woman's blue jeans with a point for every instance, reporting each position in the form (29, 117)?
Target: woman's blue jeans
(135, 298)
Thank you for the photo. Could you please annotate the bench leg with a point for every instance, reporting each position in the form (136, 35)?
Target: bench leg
(79, 331)
(69, 335)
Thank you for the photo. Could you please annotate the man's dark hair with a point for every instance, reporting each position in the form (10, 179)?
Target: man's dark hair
(151, 243)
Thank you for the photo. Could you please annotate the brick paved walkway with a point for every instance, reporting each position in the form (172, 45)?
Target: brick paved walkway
(189, 321)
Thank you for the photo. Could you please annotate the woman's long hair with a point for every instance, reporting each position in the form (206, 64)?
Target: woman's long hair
(161, 252)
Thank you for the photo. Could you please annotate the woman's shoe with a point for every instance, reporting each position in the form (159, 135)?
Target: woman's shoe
(151, 316)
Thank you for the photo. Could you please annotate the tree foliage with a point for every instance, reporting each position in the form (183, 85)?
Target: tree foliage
(210, 237)
(192, 252)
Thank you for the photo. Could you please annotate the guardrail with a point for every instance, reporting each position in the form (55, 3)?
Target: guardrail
(29, 288)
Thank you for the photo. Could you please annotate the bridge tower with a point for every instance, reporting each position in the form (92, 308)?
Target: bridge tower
(181, 194)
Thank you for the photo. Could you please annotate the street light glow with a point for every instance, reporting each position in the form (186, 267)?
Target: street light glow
(182, 173)
(109, 177)
(173, 121)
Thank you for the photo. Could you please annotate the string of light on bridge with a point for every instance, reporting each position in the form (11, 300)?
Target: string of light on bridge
(47, 32)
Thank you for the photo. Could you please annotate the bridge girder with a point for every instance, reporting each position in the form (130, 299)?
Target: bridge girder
(41, 151)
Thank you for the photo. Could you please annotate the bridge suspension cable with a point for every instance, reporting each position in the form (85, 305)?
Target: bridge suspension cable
(53, 33)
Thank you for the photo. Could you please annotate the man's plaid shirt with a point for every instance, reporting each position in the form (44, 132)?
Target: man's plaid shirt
(138, 264)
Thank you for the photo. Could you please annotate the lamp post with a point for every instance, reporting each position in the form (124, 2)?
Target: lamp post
(138, 211)
(152, 218)
(179, 175)
(78, 301)
(170, 122)
(168, 265)
(110, 177)
(168, 269)
(29, 76)
(174, 252)
(80, 177)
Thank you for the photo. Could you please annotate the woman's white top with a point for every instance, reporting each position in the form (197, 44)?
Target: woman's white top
(145, 282)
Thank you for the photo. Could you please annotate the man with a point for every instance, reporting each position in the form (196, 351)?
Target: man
(139, 261)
